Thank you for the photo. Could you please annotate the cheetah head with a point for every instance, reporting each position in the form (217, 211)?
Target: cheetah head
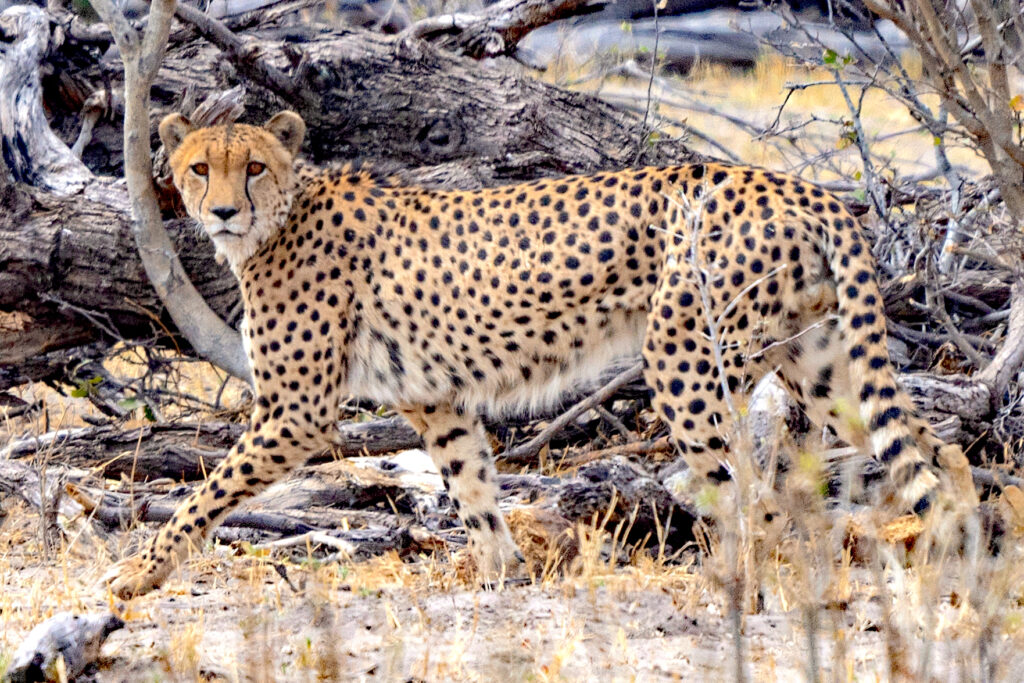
(237, 180)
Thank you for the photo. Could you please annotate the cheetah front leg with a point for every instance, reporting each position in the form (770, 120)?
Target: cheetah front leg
(458, 445)
(262, 456)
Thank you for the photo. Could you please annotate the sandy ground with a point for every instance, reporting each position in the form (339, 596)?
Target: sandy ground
(233, 616)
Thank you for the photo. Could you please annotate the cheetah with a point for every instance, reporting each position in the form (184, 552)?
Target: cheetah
(447, 305)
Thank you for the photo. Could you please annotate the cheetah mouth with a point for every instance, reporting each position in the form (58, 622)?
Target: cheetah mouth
(222, 230)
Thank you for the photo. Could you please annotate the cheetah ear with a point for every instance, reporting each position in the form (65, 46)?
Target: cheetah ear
(173, 130)
(289, 128)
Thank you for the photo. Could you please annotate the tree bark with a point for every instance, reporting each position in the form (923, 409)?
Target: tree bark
(32, 153)
(407, 102)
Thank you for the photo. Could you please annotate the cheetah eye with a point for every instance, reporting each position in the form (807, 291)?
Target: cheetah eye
(255, 168)
(201, 169)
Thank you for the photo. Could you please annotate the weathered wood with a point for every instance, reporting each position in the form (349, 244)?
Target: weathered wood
(26, 337)
(189, 450)
(31, 151)
(620, 492)
(498, 29)
(356, 543)
(71, 268)
(405, 101)
(61, 648)
(41, 492)
(323, 497)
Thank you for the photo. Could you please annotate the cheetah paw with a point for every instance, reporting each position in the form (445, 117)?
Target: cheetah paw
(501, 568)
(132, 577)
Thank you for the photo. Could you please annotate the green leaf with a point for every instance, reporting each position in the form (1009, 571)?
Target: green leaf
(148, 413)
(830, 56)
(129, 403)
(80, 392)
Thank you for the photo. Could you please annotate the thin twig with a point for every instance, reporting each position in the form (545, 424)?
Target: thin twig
(650, 85)
(613, 420)
(528, 451)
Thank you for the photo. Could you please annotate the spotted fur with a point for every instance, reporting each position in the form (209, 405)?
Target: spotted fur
(447, 305)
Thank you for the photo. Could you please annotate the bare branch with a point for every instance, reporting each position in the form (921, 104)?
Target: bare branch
(979, 97)
(1008, 361)
(208, 334)
(497, 29)
(248, 61)
(530, 449)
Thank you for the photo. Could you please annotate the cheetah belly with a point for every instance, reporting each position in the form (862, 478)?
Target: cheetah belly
(553, 376)
(528, 379)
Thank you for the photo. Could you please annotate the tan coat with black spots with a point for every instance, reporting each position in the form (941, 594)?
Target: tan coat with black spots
(447, 305)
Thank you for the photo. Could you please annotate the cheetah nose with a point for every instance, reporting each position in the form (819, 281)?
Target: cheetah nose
(224, 212)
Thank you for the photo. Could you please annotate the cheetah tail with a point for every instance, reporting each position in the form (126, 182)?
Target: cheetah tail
(885, 409)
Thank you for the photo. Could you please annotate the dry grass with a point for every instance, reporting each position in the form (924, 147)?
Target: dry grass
(232, 617)
(741, 111)
(813, 606)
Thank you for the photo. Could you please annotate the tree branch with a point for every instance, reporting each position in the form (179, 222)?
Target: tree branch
(497, 29)
(209, 335)
(247, 59)
(1008, 361)
(529, 450)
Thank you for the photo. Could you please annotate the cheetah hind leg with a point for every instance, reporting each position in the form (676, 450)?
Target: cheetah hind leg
(458, 445)
(815, 370)
(695, 393)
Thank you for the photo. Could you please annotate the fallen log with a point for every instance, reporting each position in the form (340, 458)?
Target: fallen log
(498, 29)
(62, 648)
(187, 451)
(620, 492)
(391, 492)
